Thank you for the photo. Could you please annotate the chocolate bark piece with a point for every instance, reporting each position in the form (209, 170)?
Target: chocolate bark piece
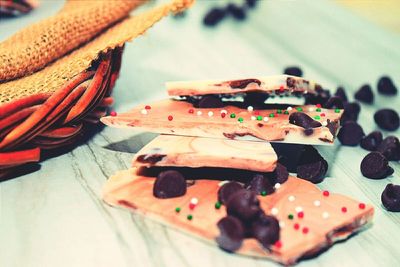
(261, 185)
(214, 16)
(265, 229)
(210, 101)
(243, 205)
(350, 134)
(334, 102)
(303, 120)
(236, 11)
(351, 111)
(280, 174)
(169, 184)
(371, 141)
(341, 93)
(391, 197)
(227, 190)
(231, 234)
(294, 71)
(375, 166)
(387, 119)
(390, 148)
(365, 94)
(386, 86)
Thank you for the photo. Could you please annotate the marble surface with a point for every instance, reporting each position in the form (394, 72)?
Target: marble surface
(55, 216)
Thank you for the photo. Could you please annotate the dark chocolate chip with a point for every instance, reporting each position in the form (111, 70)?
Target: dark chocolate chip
(390, 148)
(169, 184)
(150, 158)
(210, 101)
(386, 86)
(241, 84)
(232, 233)
(303, 120)
(341, 93)
(251, 3)
(350, 134)
(351, 111)
(294, 71)
(291, 82)
(365, 94)
(387, 119)
(334, 102)
(214, 16)
(332, 126)
(280, 174)
(259, 183)
(314, 172)
(288, 154)
(371, 141)
(391, 197)
(308, 131)
(236, 11)
(255, 98)
(265, 229)
(227, 190)
(244, 205)
(321, 98)
(375, 166)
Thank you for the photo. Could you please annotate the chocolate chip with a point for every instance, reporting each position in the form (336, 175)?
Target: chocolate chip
(265, 229)
(365, 94)
(210, 101)
(351, 111)
(387, 119)
(251, 3)
(375, 166)
(280, 174)
(390, 148)
(244, 205)
(350, 134)
(391, 197)
(290, 82)
(169, 184)
(236, 11)
(241, 84)
(386, 86)
(308, 131)
(227, 190)
(303, 120)
(294, 71)
(321, 98)
(288, 155)
(214, 16)
(341, 93)
(150, 158)
(332, 126)
(255, 98)
(371, 141)
(259, 183)
(231, 233)
(334, 102)
(313, 172)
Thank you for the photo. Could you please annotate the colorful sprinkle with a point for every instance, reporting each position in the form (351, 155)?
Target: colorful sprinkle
(194, 200)
(170, 118)
(265, 119)
(240, 120)
(318, 105)
(318, 110)
(325, 215)
(317, 203)
(190, 217)
(253, 118)
(296, 226)
(263, 193)
(278, 244)
(256, 112)
(113, 113)
(277, 185)
(224, 111)
(192, 206)
(291, 198)
(300, 214)
(223, 115)
(282, 224)
(361, 206)
(337, 110)
(286, 112)
(217, 205)
(289, 108)
(147, 107)
(281, 88)
(279, 111)
(324, 123)
(210, 114)
(274, 211)
(322, 114)
(344, 209)
(199, 113)
(259, 118)
(233, 115)
(272, 115)
(305, 230)
(325, 193)
(290, 216)
(311, 109)
(144, 111)
(317, 117)
(299, 109)
(250, 108)
(191, 111)
(298, 209)
(177, 209)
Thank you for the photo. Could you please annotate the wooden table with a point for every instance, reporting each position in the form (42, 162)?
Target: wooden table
(55, 216)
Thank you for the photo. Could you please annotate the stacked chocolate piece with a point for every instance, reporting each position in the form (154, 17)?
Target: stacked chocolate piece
(213, 173)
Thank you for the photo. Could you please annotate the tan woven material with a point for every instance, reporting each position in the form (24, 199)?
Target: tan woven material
(51, 78)
(78, 22)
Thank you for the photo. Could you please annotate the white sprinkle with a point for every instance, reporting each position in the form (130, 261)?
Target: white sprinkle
(277, 185)
(291, 198)
(194, 200)
(325, 215)
(224, 111)
(143, 111)
(250, 108)
(222, 183)
(253, 118)
(317, 203)
(305, 92)
(324, 123)
(199, 113)
(298, 209)
(289, 108)
(210, 114)
(274, 211)
(281, 224)
(311, 109)
(265, 119)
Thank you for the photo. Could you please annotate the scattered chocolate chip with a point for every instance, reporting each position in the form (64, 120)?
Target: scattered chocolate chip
(321, 98)
(214, 16)
(280, 174)
(231, 233)
(371, 141)
(351, 111)
(294, 71)
(169, 184)
(150, 158)
(308, 131)
(365, 94)
(251, 3)
(387, 119)
(303, 120)
(255, 98)
(341, 93)
(288, 155)
(236, 11)
(227, 190)
(334, 102)
(375, 166)
(350, 134)
(391, 197)
(259, 183)
(313, 172)
(386, 86)
(265, 229)
(244, 205)
(210, 101)
(240, 84)
(390, 148)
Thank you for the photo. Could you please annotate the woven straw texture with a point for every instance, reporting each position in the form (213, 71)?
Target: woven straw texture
(51, 78)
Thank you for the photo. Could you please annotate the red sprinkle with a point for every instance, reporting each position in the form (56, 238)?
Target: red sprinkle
(305, 230)
(113, 113)
(322, 114)
(361, 206)
(278, 244)
(191, 111)
(256, 112)
(296, 226)
(326, 193)
(344, 209)
(223, 115)
(318, 105)
(192, 206)
(281, 88)
(300, 214)
(170, 118)
(147, 107)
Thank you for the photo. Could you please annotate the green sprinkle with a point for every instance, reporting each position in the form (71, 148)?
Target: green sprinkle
(337, 110)
(272, 115)
(233, 115)
(279, 111)
(299, 109)
(217, 205)
(286, 112)
(290, 216)
(177, 209)
(317, 117)
(259, 118)
(318, 110)
(190, 217)
(263, 193)
(240, 120)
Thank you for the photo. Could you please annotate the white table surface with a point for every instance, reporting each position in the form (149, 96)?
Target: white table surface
(55, 216)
